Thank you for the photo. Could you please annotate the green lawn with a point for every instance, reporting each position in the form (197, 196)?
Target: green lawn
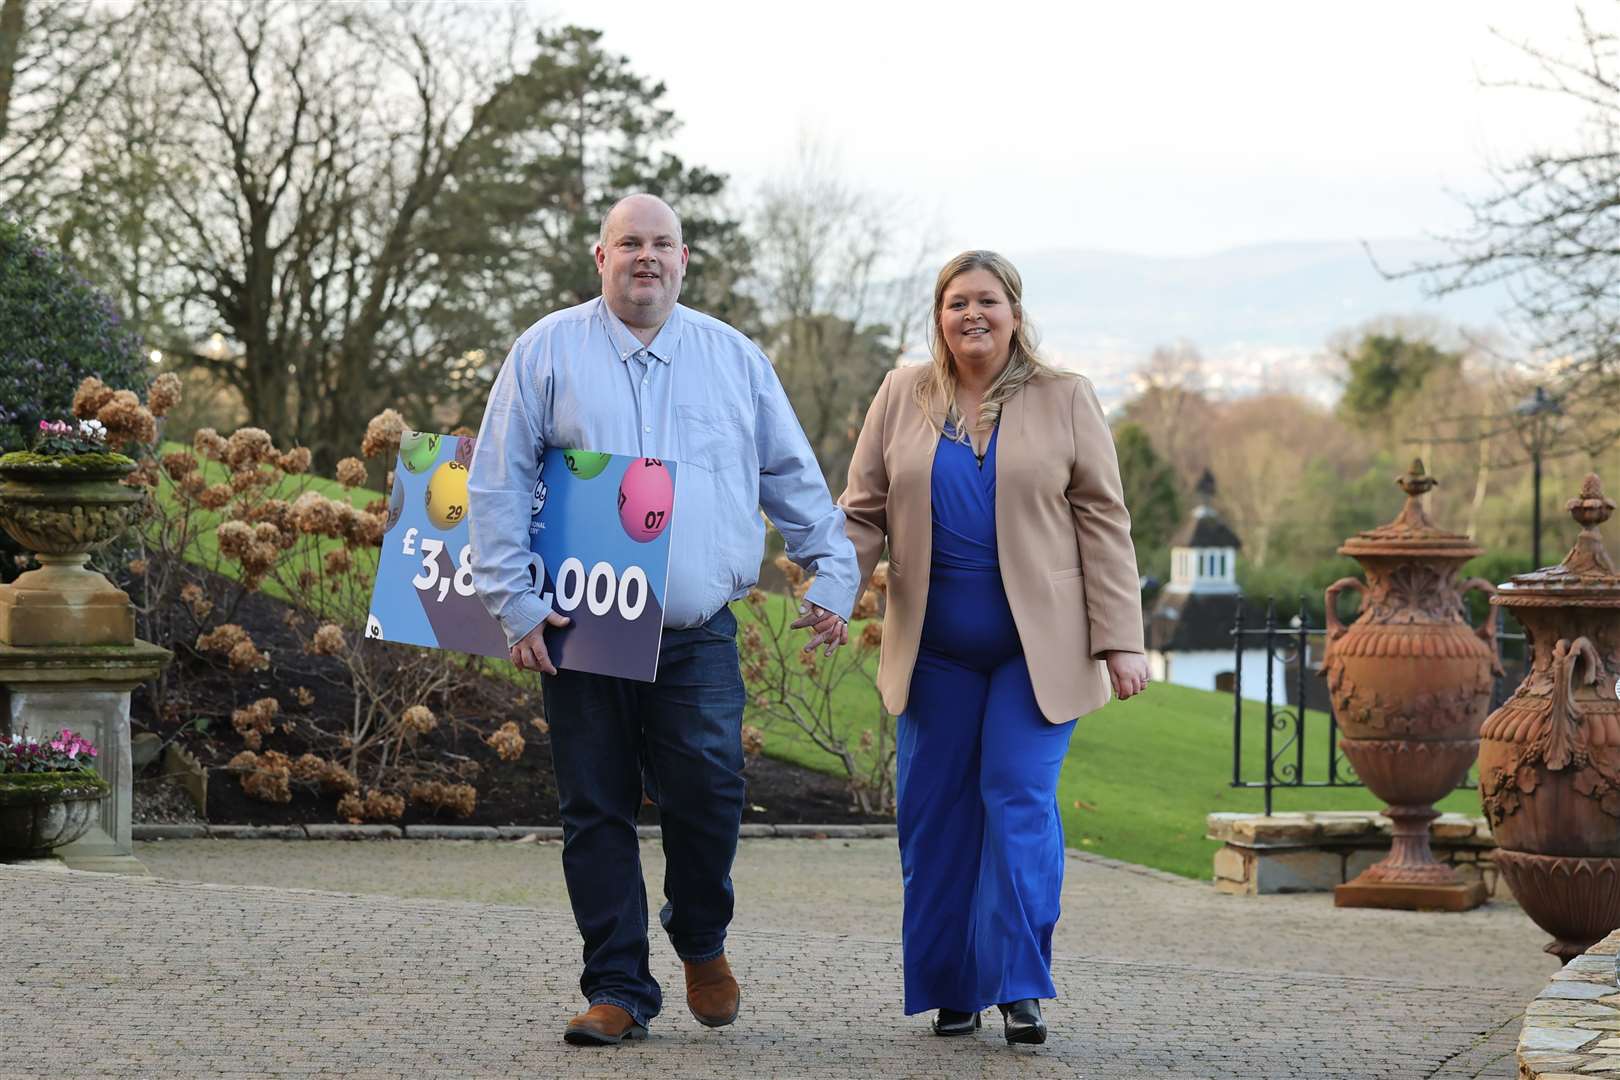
(1142, 775)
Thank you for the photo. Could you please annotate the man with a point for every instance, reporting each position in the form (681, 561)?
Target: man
(634, 372)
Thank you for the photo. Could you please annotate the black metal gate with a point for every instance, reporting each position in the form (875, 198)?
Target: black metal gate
(1284, 722)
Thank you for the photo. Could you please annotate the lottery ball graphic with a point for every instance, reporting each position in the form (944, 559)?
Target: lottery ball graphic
(586, 464)
(396, 503)
(419, 450)
(464, 449)
(645, 496)
(446, 498)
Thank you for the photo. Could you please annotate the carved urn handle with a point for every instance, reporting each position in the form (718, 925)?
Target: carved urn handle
(1335, 628)
(1487, 629)
(1563, 722)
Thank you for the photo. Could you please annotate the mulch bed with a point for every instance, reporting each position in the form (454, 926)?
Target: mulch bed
(520, 792)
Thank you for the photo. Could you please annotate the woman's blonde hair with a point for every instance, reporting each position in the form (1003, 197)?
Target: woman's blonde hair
(936, 391)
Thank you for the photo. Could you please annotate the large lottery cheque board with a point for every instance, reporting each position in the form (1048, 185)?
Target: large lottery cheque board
(599, 542)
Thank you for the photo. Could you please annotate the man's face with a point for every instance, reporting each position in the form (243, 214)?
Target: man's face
(642, 263)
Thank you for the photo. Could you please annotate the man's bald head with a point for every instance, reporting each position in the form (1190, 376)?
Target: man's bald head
(640, 200)
(642, 261)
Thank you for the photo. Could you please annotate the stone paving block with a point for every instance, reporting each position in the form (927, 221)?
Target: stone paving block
(1304, 870)
(353, 832)
(159, 831)
(256, 832)
(539, 832)
(1453, 827)
(1357, 861)
(756, 831)
(1349, 825)
(1233, 864)
(822, 832)
(451, 832)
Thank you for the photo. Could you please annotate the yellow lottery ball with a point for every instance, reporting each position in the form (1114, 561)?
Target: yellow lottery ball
(447, 495)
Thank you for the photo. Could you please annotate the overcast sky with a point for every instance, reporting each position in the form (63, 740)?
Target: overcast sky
(1149, 127)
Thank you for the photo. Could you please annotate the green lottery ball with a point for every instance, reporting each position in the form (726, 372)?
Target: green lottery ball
(419, 450)
(586, 464)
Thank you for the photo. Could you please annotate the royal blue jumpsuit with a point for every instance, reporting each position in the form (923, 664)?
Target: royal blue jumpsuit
(981, 843)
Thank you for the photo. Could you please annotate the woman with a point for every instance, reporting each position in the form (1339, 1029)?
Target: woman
(1012, 589)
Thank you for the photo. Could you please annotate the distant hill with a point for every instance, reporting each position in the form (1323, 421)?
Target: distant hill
(1260, 315)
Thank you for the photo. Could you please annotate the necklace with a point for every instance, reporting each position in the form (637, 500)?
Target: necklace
(980, 456)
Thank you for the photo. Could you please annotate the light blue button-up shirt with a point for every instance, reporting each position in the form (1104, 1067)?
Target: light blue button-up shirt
(702, 395)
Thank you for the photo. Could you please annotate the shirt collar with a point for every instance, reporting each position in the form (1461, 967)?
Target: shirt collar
(626, 344)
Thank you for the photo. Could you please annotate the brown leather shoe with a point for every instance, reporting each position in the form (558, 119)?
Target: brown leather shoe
(602, 1025)
(711, 992)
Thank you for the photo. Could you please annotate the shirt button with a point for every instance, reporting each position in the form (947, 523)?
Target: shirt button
(648, 430)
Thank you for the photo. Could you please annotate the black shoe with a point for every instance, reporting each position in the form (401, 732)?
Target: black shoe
(1022, 1022)
(950, 1022)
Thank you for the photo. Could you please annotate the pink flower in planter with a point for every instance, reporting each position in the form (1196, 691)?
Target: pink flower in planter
(64, 752)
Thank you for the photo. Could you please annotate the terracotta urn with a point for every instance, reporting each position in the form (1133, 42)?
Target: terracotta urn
(1410, 683)
(1549, 762)
(61, 515)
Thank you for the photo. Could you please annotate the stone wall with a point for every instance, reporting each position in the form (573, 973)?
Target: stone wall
(1570, 1029)
(1314, 851)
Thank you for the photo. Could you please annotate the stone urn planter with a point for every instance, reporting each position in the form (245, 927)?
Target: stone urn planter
(61, 509)
(1410, 682)
(1549, 760)
(41, 811)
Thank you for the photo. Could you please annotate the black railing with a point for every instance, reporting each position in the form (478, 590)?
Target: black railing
(1285, 725)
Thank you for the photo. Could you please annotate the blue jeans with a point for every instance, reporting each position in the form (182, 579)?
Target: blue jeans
(681, 735)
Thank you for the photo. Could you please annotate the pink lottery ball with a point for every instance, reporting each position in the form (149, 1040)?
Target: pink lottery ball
(645, 496)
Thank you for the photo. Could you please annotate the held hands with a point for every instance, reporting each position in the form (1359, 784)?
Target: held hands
(530, 653)
(1128, 671)
(830, 629)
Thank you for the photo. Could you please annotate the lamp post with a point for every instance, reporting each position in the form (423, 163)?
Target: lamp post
(1535, 408)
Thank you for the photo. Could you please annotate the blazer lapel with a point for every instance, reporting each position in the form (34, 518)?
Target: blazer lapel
(1009, 443)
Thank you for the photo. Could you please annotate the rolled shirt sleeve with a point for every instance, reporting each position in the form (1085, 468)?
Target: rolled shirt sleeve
(500, 491)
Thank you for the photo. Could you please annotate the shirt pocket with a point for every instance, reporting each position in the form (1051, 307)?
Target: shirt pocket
(711, 438)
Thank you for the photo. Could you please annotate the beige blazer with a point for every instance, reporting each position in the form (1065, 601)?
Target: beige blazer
(1062, 532)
